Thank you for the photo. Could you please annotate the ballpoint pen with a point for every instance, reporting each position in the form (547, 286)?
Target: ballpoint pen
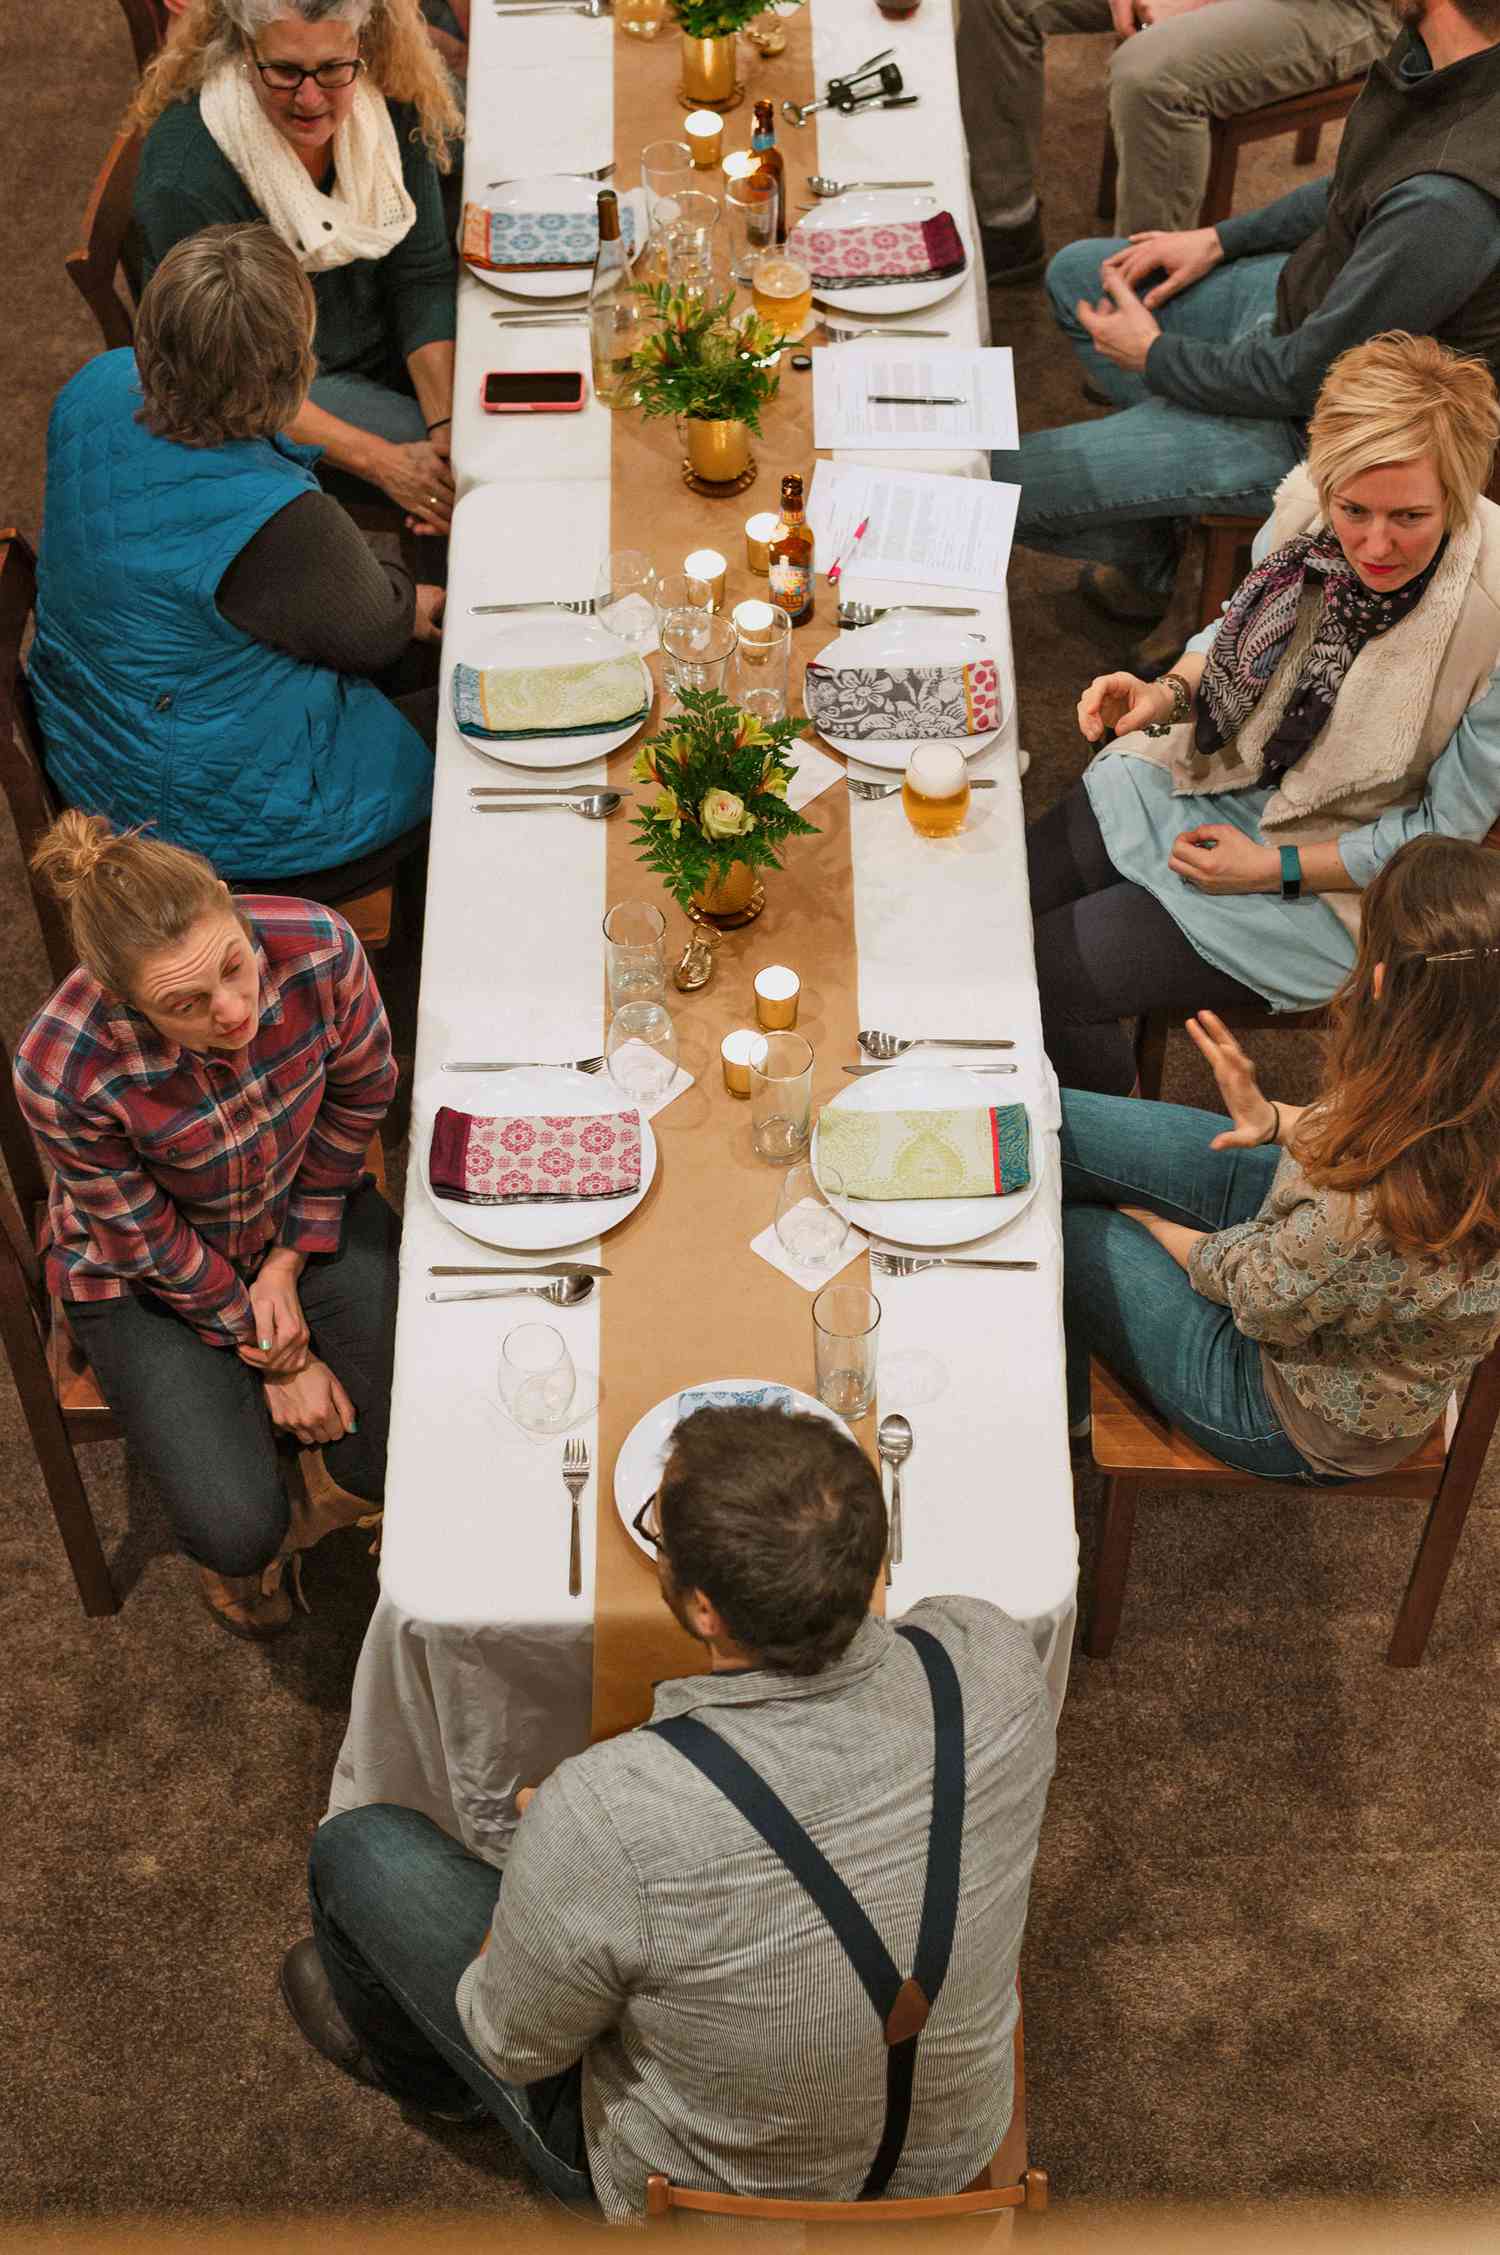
(837, 566)
(909, 399)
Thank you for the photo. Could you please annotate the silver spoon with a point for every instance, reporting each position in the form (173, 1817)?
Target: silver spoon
(821, 185)
(567, 1292)
(894, 1441)
(595, 806)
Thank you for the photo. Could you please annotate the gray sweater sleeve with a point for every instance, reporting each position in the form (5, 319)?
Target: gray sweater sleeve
(308, 584)
(1428, 246)
(1280, 226)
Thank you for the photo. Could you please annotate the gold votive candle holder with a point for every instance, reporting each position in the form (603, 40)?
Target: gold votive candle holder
(736, 1051)
(778, 990)
(760, 530)
(709, 566)
(705, 137)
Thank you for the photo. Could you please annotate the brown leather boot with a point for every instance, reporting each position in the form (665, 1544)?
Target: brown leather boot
(249, 1605)
(321, 1507)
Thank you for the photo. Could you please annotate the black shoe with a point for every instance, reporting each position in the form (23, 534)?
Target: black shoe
(1013, 255)
(310, 2000)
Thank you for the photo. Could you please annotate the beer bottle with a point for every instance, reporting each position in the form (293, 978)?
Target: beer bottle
(770, 173)
(790, 549)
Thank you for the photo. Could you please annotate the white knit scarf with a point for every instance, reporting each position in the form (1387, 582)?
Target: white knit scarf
(369, 210)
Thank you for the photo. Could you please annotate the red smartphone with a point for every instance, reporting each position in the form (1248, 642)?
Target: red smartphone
(533, 391)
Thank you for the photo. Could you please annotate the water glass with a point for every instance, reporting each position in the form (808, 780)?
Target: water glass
(536, 1377)
(763, 649)
(641, 19)
(809, 1230)
(625, 597)
(641, 1051)
(752, 224)
(781, 1097)
(846, 1326)
(667, 172)
(697, 646)
(690, 259)
(633, 935)
(680, 591)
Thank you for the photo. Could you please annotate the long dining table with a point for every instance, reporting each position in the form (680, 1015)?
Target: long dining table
(479, 1672)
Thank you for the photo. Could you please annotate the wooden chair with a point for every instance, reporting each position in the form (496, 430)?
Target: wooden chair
(1302, 114)
(1136, 1449)
(1008, 2182)
(363, 891)
(148, 23)
(108, 249)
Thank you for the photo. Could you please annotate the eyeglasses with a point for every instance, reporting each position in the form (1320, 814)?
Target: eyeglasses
(650, 1534)
(286, 78)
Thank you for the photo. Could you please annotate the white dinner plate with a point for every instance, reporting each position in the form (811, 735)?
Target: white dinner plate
(931, 1221)
(533, 1090)
(909, 640)
(551, 192)
(880, 298)
(638, 1467)
(540, 638)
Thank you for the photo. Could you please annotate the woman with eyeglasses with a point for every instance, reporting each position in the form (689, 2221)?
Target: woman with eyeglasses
(1303, 1291)
(331, 120)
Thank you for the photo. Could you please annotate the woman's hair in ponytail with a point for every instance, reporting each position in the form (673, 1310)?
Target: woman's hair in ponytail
(126, 896)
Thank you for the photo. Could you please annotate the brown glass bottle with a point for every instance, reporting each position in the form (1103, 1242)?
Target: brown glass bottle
(790, 549)
(770, 173)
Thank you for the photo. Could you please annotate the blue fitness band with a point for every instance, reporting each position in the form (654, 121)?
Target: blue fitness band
(1291, 873)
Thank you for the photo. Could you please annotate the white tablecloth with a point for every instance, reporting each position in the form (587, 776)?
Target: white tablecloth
(475, 1674)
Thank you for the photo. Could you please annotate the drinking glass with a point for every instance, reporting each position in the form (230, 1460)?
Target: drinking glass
(781, 1097)
(625, 597)
(697, 646)
(689, 234)
(752, 223)
(810, 1231)
(680, 591)
(935, 790)
(633, 933)
(641, 1051)
(781, 291)
(667, 172)
(763, 646)
(846, 1324)
(536, 1376)
(642, 19)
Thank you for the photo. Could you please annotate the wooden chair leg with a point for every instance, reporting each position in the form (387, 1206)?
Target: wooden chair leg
(1151, 1055)
(1109, 177)
(1429, 1573)
(1305, 149)
(1111, 1566)
(1223, 163)
(58, 1466)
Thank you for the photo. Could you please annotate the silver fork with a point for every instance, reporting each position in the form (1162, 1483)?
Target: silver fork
(583, 608)
(853, 614)
(908, 1264)
(575, 1472)
(859, 789)
(886, 1046)
(842, 333)
(554, 7)
(528, 1065)
(600, 172)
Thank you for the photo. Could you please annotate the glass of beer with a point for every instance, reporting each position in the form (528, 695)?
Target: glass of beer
(781, 291)
(935, 790)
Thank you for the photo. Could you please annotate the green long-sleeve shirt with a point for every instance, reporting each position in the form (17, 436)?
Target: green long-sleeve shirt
(373, 313)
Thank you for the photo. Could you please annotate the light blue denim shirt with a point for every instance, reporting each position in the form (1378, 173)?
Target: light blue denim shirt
(1293, 952)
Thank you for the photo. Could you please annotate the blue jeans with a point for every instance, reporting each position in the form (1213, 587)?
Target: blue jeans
(1126, 1300)
(1110, 490)
(370, 406)
(399, 1910)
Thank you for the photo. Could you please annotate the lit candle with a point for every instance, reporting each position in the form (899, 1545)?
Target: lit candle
(736, 1050)
(705, 133)
(707, 564)
(740, 163)
(759, 530)
(753, 618)
(777, 993)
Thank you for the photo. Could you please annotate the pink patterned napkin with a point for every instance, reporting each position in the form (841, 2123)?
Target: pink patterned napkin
(505, 1159)
(901, 250)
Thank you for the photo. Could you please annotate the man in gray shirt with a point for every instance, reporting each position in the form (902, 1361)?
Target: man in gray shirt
(654, 1990)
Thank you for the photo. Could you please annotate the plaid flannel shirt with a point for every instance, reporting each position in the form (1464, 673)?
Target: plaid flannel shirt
(176, 1170)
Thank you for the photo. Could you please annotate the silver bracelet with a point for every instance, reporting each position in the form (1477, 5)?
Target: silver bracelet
(1182, 705)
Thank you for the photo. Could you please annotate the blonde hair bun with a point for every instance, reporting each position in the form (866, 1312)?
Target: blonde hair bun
(127, 895)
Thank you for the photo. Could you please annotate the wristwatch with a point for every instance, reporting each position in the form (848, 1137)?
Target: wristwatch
(1291, 873)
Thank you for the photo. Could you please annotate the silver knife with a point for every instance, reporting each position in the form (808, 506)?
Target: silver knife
(895, 1061)
(547, 1268)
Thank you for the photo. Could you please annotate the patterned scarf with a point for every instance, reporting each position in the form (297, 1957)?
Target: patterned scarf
(1257, 627)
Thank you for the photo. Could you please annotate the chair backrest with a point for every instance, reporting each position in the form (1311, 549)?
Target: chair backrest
(109, 245)
(32, 800)
(28, 1187)
(148, 23)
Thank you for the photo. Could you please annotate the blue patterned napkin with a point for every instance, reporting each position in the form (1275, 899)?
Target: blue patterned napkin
(536, 242)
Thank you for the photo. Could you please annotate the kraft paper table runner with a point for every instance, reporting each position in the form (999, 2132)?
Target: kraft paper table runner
(688, 1300)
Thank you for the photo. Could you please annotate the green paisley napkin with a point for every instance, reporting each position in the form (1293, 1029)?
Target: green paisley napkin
(571, 700)
(981, 1153)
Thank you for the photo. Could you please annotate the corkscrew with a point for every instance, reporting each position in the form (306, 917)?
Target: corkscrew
(874, 85)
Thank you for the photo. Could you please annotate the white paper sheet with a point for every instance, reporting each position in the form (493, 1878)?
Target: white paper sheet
(926, 528)
(982, 381)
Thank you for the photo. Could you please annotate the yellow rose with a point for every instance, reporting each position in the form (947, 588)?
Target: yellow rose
(722, 815)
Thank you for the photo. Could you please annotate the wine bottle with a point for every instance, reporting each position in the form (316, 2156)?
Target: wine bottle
(616, 317)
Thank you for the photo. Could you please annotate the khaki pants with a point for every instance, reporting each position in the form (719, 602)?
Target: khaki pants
(1164, 85)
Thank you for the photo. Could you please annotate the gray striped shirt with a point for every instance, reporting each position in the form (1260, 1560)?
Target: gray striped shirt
(726, 2039)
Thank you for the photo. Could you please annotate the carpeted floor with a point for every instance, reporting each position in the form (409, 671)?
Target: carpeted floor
(1262, 1959)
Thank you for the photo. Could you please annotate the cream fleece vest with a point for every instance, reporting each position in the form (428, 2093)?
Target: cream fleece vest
(1397, 709)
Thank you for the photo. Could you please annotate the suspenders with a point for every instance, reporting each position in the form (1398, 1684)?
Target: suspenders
(901, 2005)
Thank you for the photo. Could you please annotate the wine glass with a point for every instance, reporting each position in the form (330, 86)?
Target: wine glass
(810, 1231)
(641, 1051)
(536, 1377)
(624, 597)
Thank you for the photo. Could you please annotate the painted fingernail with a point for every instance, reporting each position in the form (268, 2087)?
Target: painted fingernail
(354, 1424)
(264, 1345)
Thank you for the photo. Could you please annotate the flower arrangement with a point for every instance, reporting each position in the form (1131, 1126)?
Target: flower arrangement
(721, 780)
(717, 19)
(704, 363)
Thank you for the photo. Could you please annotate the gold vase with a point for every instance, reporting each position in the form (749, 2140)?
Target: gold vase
(736, 899)
(718, 451)
(708, 80)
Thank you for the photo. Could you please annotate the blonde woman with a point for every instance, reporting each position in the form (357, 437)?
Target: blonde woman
(331, 120)
(1346, 701)
(204, 1087)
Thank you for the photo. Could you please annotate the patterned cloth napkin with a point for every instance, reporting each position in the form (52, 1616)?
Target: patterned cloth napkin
(577, 700)
(504, 1159)
(536, 242)
(891, 704)
(732, 1397)
(872, 257)
(980, 1153)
